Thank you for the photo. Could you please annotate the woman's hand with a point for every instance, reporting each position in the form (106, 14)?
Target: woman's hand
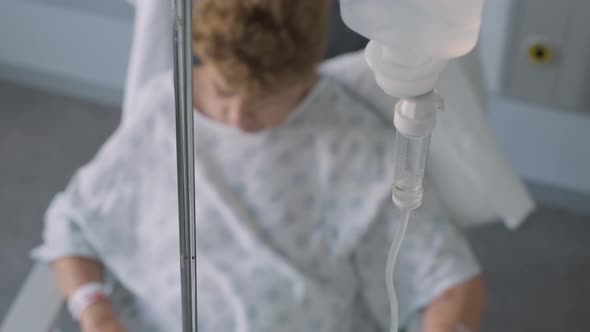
(101, 317)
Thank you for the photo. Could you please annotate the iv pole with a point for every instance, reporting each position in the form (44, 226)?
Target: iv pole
(183, 65)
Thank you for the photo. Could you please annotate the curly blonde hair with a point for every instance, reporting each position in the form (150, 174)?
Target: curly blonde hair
(261, 45)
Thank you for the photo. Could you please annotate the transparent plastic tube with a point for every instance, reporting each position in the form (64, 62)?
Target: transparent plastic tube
(393, 252)
(409, 164)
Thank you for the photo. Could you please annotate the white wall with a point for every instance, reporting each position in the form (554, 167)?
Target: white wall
(109, 8)
(546, 145)
(78, 49)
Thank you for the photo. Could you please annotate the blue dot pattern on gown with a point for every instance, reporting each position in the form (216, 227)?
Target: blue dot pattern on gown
(293, 224)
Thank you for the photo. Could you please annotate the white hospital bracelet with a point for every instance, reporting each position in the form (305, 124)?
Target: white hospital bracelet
(85, 296)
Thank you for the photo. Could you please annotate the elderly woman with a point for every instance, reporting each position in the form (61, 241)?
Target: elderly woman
(293, 176)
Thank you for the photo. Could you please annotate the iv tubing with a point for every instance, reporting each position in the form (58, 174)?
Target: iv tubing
(414, 121)
(394, 251)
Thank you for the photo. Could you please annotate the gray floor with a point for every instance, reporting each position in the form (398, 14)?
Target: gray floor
(538, 277)
(43, 139)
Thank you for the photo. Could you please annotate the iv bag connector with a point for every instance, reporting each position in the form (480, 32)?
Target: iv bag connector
(416, 116)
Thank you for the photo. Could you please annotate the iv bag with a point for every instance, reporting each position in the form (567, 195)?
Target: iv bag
(442, 29)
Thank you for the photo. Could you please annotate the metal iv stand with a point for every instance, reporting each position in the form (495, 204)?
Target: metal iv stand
(183, 87)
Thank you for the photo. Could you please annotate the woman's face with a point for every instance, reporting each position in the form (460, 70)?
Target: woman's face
(249, 113)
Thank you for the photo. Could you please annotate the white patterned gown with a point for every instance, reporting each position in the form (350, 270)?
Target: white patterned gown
(294, 223)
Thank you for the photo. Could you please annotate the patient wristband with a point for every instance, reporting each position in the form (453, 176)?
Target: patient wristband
(85, 296)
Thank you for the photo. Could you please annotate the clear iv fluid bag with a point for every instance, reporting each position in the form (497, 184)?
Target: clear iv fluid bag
(442, 29)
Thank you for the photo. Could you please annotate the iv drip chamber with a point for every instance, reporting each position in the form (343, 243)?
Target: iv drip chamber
(414, 119)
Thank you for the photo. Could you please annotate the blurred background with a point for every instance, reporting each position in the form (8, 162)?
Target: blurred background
(62, 73)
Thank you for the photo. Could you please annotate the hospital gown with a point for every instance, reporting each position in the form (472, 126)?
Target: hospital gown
(294, 223)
